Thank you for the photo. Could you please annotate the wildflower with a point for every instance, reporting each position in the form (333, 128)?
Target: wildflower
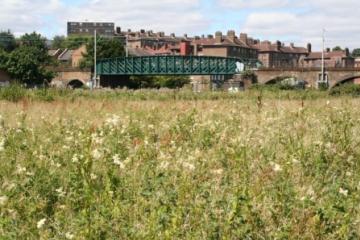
(69, 236)
(164, 165)
(93, 176)
(276, 167)
(116, 160)
(189, 166)
(113, 121)
(96, 154)
(343, 192)
(2, 145)
(61, 192)
(41, 223)
(3, 200)
(75, 158)
(20, 170)
(218, 171)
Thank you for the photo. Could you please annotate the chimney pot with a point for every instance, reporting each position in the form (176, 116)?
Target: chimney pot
(309, 47)
(218, 37)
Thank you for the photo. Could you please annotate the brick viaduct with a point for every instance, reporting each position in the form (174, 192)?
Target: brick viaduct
(77, 77)
(335, 76)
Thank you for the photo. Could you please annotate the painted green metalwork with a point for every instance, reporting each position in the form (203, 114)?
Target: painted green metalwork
(172, 65)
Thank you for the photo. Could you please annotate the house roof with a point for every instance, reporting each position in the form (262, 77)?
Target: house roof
(328, 55)
(66, 55)
(267, 46)
(225, 41)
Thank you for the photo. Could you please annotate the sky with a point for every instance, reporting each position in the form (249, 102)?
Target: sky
(297, 21)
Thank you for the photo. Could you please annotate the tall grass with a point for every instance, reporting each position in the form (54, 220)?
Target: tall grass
(236, 167)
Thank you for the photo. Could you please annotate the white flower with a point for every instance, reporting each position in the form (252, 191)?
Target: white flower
(93, 176)
(41, 223)
(113, 121)
(2, 145)
(3, 200)
(96, 154)
(189, 166)
(69, 235)
(328, 103)
(343, 192)
(61, 192)
(276, 167)
(116, 160)
(75, 158)
(218, 171)
(20, 170)
(164, 165)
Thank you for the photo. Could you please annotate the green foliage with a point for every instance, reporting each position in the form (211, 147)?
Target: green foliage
(74, 42)
(249, 75)
(7, 41)
(58, 42)
(356, 52)
(178, 169)
(106, 48)
(337, 48)
(172, 82)
(36, 41)
(346, 89)
(13, 93)
(27, 65)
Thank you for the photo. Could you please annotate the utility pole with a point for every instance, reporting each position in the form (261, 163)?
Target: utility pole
(323, 78)
(95, 73)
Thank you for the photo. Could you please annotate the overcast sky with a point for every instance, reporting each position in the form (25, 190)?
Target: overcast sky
(298, 21)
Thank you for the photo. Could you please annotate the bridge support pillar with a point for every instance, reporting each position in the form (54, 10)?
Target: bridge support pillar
(112, 81)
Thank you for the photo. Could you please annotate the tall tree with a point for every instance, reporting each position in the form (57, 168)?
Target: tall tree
(337, 48)
(106, 48)
(58, 42)
(356, 52)
(7, 41)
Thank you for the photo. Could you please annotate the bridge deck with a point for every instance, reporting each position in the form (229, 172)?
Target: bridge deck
(172, 65)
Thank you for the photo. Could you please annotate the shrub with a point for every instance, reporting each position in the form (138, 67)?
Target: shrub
(346, 89)
(14, 93)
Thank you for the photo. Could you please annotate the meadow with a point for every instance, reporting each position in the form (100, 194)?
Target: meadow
(179, 165)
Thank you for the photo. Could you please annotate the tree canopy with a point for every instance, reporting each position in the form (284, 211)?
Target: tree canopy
(337, 48)
(106, 48)
(7, 41)
(356, 52)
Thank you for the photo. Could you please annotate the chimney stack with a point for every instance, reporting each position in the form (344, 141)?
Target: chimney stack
(278, 45)
(292, 45)
(231, 35)
(309, 47)
(347, 52)
(118, 30)
(172, 35)
(210, 36)
(243, 37)
(327, 50)
(218, 37)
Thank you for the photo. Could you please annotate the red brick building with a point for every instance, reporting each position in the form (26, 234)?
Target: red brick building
(277, 55)
(332, 59)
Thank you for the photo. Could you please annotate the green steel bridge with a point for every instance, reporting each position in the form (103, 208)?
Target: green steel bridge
(174, 65)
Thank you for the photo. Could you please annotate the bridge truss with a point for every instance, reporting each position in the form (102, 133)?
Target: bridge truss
(172, 65)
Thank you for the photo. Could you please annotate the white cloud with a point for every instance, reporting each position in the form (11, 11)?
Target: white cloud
(238, 4)
(292, 20)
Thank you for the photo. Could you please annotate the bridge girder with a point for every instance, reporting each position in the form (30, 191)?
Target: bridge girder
(172, 65)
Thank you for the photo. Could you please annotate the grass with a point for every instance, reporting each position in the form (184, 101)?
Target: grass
(109, 165)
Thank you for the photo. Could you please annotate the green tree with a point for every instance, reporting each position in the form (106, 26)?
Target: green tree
(74, 42)
(59, 42)
(337, 48)
(4, 57)
(106, 48)
(7, 41)
(356, 52)
(28, 65)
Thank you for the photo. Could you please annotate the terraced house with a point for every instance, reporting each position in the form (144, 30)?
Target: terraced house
(277, 55)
